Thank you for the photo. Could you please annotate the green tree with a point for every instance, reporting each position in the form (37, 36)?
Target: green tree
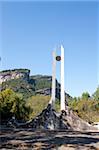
(11, 104)
(18, 107)
(96, 94)
(5, 103)
(87, 109)
(85, 96)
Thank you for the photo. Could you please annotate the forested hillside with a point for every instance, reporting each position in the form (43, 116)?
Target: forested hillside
(26, 96)
(20, 81)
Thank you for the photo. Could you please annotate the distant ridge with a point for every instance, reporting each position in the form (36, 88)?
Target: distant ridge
(20, 81)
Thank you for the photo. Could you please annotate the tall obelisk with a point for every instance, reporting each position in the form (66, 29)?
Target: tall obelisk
(52, 100)
(58, 58)
(62, 80)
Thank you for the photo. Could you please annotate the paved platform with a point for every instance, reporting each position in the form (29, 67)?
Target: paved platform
(28, 139)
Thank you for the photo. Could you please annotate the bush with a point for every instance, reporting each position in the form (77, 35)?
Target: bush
(12, 104)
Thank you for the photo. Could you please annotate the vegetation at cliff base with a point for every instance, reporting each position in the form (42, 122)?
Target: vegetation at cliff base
(20, 86)
(25, 98)
(13, 104)
(87, 107)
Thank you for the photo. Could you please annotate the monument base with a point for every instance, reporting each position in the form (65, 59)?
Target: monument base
(49, 119)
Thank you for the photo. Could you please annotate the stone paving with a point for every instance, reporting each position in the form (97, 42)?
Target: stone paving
(28, 139)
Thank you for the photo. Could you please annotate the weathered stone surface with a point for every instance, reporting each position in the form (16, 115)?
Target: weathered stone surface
(14, 74)
(75, 122)
(49, 119)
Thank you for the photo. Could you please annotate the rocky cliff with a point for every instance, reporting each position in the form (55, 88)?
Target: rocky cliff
(14, 74)
(20, 81)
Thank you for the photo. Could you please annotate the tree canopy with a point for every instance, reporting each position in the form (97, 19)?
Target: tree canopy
(86, 107)
(96, 94)
(12, 104)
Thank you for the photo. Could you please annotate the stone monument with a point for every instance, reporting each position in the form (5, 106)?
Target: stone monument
(58, 58)
(49, 118)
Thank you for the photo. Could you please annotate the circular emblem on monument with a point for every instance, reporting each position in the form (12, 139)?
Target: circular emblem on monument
(58, 58)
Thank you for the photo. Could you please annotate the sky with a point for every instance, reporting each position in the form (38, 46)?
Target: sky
(31, 30)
